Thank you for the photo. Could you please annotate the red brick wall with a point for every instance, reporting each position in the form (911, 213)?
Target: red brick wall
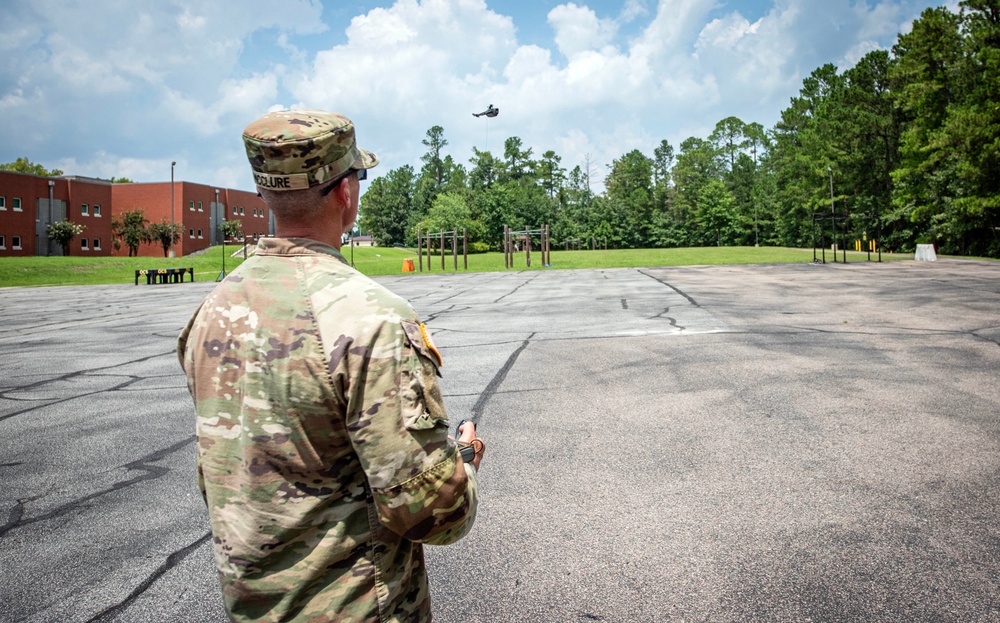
(97, 220)
(20, 225)
(154, 201)
(152, 198)
(250, 210)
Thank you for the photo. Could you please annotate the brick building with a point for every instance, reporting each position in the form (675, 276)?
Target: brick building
(28, 203)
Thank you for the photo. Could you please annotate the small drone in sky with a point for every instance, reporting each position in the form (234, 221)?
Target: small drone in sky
(489, 112)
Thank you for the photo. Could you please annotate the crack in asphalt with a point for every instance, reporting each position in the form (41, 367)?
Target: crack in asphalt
(132, 379)
(14, 516)
(172, 561)
(152, 472)
(494, 384)
(433, 315)
(521, 285)
(675, 289)
(673, 321)
(70, 375)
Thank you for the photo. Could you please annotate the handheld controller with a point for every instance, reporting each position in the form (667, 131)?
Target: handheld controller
(467, 451)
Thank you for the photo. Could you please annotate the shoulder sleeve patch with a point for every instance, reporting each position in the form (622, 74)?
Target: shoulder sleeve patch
(420, 339)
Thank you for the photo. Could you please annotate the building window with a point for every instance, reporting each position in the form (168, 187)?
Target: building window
(15, 242)
(84, 210)
(3, 203)
(236, 210)
(191, 205)
(17, 208)
(199, 233)
(3, 242)
(199, 207)
(97, 244)
(97, 210)
(241, 209)
(191, 233)
(84, 246)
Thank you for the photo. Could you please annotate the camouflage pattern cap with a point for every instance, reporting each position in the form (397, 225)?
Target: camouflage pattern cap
(297, 149)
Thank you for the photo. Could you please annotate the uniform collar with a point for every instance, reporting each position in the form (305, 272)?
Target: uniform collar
(296, 246)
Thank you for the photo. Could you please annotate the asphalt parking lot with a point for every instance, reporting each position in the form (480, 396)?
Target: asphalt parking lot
(729, 443)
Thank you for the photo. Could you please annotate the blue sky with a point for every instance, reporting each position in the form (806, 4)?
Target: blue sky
(123, 87)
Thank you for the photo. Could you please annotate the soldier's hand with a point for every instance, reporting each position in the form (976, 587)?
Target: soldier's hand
(467, 434)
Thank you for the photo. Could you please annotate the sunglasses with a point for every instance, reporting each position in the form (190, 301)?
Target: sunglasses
(361, 173)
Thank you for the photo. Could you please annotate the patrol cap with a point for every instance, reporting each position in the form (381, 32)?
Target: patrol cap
(297, 149)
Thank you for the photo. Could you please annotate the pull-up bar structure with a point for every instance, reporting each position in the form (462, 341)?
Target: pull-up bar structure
(848, 222)
(424, 240)
(511, 239)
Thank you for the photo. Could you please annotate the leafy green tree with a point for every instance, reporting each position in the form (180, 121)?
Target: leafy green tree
(485, 170)
(451, 212)
(743, 186)
(697, 165)
(606, 220)
(23, 165)
(518, 160)
(432, 176)
(494, 207)
(629, 189)
(804, 149)
(167, 233)
(663, 162)
(551, 174)
(386, 208)
(433, 159)
(130, 228)
(716, 217)
(926, 83)
(63, 232)
(571, 221)
(867, 136)
(756, 140)
(974, 130)
(121, 180)
(728, 138)
(456, 178)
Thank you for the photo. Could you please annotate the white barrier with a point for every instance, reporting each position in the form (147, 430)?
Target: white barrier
(925, 252)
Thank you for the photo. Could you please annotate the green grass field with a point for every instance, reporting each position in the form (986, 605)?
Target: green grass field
(374, 261)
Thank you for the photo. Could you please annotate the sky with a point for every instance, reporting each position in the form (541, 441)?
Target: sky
(122, 88)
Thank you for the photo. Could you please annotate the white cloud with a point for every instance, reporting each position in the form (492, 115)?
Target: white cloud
(632, 9)
(138, 83)
(578, 29)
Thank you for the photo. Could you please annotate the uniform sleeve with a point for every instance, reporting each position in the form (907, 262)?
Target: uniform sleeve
(185, 360)
(399, 430)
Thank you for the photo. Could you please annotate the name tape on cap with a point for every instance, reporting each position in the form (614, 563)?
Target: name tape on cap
(292, 181)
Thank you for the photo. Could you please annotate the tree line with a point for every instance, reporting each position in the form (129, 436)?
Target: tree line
(904, 147)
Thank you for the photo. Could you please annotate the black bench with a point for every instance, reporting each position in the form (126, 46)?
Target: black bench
(164, 275)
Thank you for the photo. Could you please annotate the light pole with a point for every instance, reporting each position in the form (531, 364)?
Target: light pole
(172, 225)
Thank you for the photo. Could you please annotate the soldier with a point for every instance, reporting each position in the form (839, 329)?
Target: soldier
(323, 448)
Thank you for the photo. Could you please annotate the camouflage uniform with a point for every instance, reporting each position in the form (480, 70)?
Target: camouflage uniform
(322, 441)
